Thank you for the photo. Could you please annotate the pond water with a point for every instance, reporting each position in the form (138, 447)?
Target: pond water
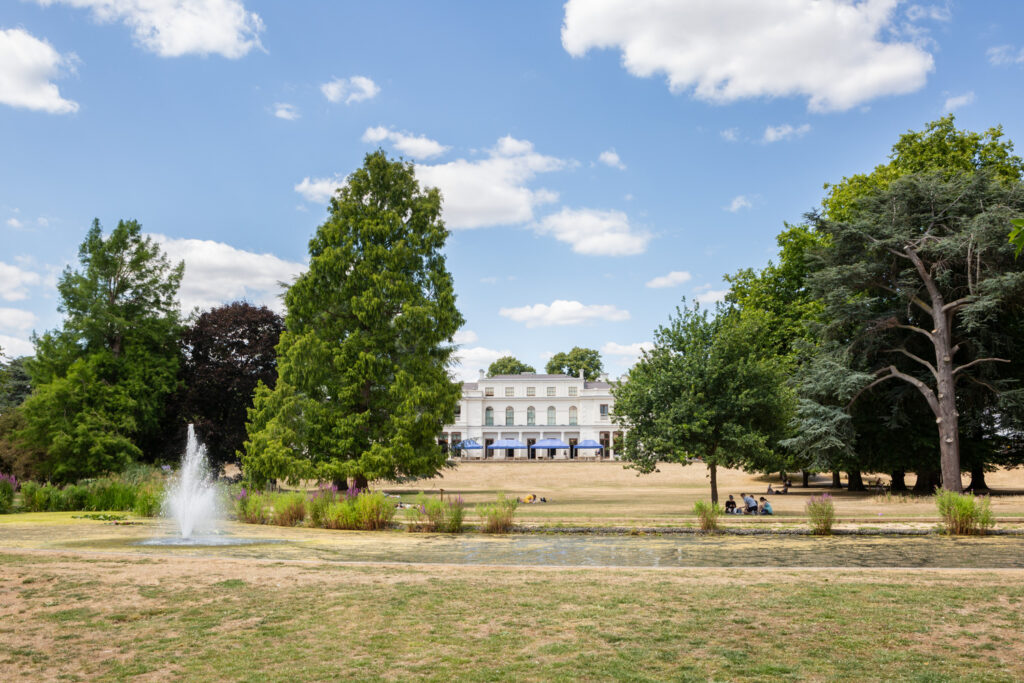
(733, 552)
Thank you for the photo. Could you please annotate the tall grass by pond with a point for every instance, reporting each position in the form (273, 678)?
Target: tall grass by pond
(139, 490)
(963, 513)
(435, 514)
(822, 512)
(498, 517)
(708, 514)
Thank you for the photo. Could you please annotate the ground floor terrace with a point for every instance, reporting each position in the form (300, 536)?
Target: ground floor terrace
(529, 437)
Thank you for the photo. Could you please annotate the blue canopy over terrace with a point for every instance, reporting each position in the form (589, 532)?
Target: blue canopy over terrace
(589, 443)
(468, 444)
(507, 443)
(550, 443)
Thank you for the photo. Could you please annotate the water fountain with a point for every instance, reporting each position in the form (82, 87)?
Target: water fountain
(191, 498)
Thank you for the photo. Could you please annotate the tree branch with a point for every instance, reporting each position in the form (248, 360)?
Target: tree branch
(925, 390)
(979, 360)
(922, 361)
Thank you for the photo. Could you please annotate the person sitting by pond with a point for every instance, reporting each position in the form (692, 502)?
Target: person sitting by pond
(751, 504)
(530, 498)
(730, 505)
(770, 489)
(784, 489)
(766, 507)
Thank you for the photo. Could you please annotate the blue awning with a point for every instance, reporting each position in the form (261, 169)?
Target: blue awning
(549, 443)
(589, 443)
(468, 444)
(507, 443)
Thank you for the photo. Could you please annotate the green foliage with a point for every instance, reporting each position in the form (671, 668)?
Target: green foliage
(1017, 235)
(15, 383)
(16, 455)
(587, 360)
(508, 365)
(822, 512)
(708, 514)
(148, 500)
(498, 517)
(251, 507)
(289, 509)
(712, 388)
(102, 379)
(365, 511)
(964, 514)
(939, 147)
(435, 514)
(363, 386)
(6, 495)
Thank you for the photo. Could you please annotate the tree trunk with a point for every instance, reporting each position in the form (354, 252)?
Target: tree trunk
(807, 477)
(899, 484)
(927, 481)
(854, 481)
(837, 479)
(977, 479)
(714, 483)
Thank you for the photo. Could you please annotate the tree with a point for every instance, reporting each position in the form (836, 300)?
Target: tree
(711, 388)
(226, 352)
(508, 365)
(15, 383)
(587, 360)
(363, 387)
(102, 379)
(913, 283)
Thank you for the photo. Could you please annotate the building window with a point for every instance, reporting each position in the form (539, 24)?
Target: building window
(489, 417)
(572, 415)
(551, 415)
(510, 416)
(572, 391)
(458, 411)
(604, 411)
(531, 416)
(531, 391)
(510, 392)
(551, 391)
(489, 391)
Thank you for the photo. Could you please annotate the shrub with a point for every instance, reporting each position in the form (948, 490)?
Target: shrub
(8, 485)
(28, 491)
(289, 509)
(319, 501)
(109, 493)
(373, 511)
(964, 513)
(71, 497)
(708, 514)
(250, 507)
(435, 514)
(148, 500)
(822, 511)
(340, 515)
(498, 516)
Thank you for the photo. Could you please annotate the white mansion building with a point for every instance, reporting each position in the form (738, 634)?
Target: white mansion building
(529, 408)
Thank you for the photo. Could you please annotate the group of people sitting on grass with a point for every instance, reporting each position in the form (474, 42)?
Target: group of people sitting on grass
(532, 498)
(750, 506)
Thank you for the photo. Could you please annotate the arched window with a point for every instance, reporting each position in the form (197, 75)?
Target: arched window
(531, 416)
(573, 415)
(489, 417)
(510, 416)
(551, 415)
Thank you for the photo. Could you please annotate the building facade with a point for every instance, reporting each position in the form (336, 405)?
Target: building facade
(531, 407)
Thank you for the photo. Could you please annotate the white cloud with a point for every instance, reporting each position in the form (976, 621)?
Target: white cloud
(594, 232)
(217, 273)
(15, 281)
(730, 134)
(610, 157)
(288, 112)
(831, 51)
(491, 191)
(355, 89)
(708, 296)
(418, 147)
(738, 202)
(627, 353)
(958, 101)
(15, 223)
(934, 12)
(469, 362)
(17, 319)
(676, 277)
(13, 347)
(319, 190)
(562, 312)
(1002, 55)
(784, 132)
(465, 337)
(173, 28)
(28, 66)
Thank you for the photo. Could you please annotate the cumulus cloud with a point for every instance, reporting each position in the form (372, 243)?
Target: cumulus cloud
(17, 319)
(465, 337)
(676, 277)
(173, 28)
(626, 353)
(610, 157)
(594, 232)
(834, 52)
(1003, 55)
(217, 273)
(288, 112)
(958, 101)
(561, 312)
(28, 67)
(15, 281)
(738, 202)
(784, 132)
(15, 223)
(730, 134)
(13, 347)
(708, 296)
(469, 362)
(933, 12)
(416, 146)
(319, 190)
(351, 90)
(494, 190)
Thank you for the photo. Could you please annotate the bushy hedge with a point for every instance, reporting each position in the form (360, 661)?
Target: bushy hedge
(326, 508)
(136, 493)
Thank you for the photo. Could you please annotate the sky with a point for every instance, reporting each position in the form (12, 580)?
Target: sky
(600, 160)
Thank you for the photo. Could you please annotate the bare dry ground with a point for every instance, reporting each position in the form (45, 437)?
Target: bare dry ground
(605, 493)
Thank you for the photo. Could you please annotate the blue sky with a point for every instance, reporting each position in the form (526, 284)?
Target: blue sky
(600, 160)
